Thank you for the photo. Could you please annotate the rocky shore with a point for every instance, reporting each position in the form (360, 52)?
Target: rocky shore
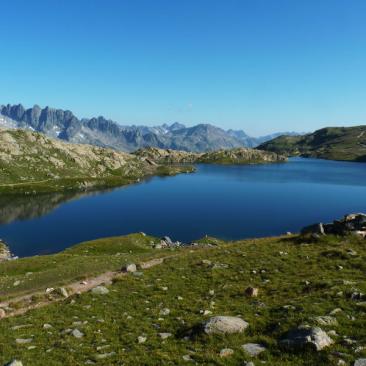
(351, 224)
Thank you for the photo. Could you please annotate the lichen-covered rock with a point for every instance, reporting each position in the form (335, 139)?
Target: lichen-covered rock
(306, 336)
(225, 325)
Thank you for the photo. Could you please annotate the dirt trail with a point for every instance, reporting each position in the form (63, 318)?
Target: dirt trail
(74, 288)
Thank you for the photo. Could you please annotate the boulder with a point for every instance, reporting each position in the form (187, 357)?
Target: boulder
(360, 362)
(305, 336)
(2, 313)
(225, 325)
(313, 229)
(167, 240)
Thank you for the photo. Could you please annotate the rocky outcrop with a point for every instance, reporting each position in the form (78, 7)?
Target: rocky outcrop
(231, 156)
(350, 224)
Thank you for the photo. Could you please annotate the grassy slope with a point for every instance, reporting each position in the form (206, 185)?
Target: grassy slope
(132, 307)
(336, 143)
(33, 163)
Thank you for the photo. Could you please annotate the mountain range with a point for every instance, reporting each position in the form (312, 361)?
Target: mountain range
(63, 124)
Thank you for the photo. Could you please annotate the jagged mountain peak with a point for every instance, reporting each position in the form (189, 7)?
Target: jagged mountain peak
(63, 124)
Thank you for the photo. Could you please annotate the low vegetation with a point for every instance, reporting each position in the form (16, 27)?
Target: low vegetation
(334, 143)
(154, 316)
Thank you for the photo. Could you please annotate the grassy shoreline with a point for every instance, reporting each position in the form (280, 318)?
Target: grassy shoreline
(299, 279)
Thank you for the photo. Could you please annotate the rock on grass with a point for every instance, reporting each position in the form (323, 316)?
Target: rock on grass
(305, 336)
(224, 325)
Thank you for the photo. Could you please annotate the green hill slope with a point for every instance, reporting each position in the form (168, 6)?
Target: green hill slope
(154, 317)
(335, 143)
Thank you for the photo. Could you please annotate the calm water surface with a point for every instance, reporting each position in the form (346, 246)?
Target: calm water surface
(229, 202)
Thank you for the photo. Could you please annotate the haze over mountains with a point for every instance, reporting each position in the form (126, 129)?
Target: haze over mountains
(63, 124)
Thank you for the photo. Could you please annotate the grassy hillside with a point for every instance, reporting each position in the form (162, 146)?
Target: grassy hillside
(335, 143)
(31, 162)
(298, 280)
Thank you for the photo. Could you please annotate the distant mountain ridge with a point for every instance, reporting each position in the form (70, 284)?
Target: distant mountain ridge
(63, 124)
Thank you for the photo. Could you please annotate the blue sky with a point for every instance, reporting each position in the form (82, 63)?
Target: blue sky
(257, 65)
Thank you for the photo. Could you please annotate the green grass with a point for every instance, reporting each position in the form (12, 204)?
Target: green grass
(279, 267)
(333, 143)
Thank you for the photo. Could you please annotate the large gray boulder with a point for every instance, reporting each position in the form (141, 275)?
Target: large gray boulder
(225, 325)
(313, 229)
(360, 362)
(306, 336)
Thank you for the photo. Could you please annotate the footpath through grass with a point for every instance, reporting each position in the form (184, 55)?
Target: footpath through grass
(297, 280)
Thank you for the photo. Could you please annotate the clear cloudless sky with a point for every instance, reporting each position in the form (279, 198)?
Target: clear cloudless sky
(257, 65)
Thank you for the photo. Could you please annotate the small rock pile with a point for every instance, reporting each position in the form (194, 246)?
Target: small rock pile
(349, 224)
(166, 242)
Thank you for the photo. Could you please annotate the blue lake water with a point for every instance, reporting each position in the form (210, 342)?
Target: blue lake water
(230, 202)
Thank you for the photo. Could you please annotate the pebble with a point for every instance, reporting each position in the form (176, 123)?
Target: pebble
(100, 290)
(23, 340)
(141, 339)
(226, 352)
(164, 311)
(253, 349)
(77, 334)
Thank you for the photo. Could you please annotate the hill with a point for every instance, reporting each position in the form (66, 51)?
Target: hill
(64, 125)
(335, 143)
(31, 162)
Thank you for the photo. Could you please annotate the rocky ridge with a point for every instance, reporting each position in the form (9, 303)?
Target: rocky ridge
(232, 156)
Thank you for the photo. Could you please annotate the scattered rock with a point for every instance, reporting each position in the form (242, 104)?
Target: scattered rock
(102, 356)
(100, 290)
(225, 325)
(141, 339)
(131, 267)
(253, 349)
(187, 358)
(77, 334)
(63, 292)
(305, 336)
(165, 335)
(206, 262)
(226, 352)
(360, 362)
(164, 311)
(326, 320)
(14, 363)
(23, 340)
(251, 291)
